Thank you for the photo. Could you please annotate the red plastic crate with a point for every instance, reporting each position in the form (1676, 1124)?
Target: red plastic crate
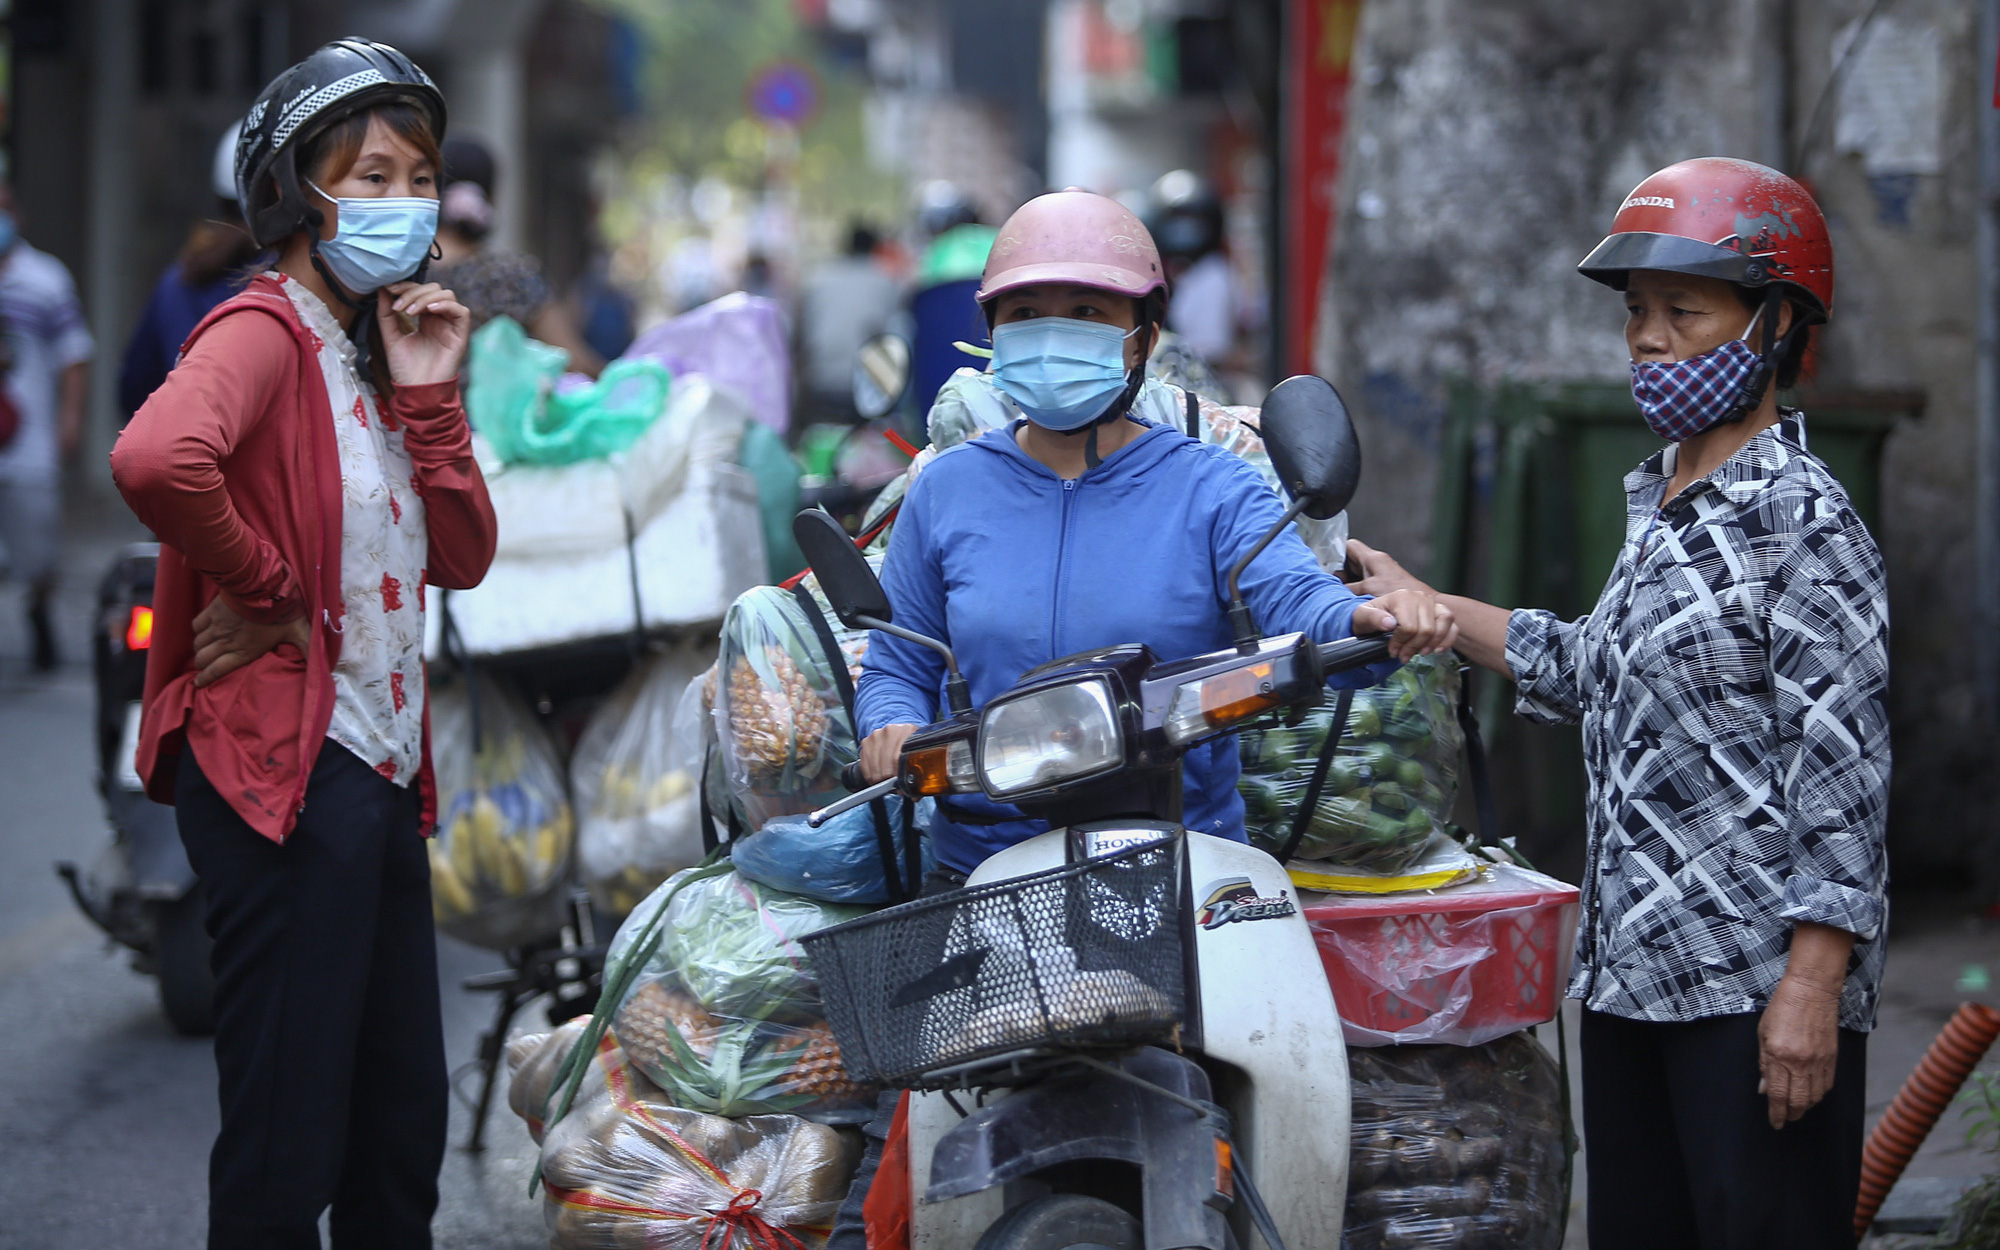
(1462, 965)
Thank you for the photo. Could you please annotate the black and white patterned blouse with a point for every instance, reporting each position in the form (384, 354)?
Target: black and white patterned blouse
(1732, 685)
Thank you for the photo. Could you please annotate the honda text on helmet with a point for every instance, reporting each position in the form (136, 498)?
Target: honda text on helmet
(377, 241)
(1067, 374)
(1739, 222)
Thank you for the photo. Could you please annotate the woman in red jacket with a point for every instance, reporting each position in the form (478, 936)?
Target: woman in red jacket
(309, 470)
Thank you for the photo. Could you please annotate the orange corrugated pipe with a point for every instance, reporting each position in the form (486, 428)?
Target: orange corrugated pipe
(1958, 1049)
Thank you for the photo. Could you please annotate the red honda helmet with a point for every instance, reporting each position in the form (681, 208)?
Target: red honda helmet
(1722, 218)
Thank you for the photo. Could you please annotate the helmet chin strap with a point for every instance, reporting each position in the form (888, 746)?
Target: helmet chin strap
(1752, 395)
(1120, 407)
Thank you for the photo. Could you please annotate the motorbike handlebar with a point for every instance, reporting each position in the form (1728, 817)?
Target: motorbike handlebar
(851, 778)
(880, 790)
(1353, 653)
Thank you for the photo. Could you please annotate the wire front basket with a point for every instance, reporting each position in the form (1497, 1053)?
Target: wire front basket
(1089, 955)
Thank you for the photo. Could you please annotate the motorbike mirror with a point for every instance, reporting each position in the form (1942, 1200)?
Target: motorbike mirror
(856, 594)
(881, 375)
(1312, 445)
(844, 576)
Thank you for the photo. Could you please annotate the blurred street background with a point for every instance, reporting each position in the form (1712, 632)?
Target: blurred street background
(1390, 193)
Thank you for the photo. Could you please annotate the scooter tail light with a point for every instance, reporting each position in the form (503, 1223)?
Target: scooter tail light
(946, 768)
(139, 630)
(1225, 1169)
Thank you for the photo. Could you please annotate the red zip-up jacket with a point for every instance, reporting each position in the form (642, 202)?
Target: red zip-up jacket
(233, 464)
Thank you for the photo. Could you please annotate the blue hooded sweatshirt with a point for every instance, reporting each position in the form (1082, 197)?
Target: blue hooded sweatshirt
(1014, 567)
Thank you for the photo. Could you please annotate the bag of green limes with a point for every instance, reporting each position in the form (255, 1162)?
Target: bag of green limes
(1391, 783)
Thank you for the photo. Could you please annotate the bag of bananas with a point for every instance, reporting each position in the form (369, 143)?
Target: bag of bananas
(635, 775)
(500, 860)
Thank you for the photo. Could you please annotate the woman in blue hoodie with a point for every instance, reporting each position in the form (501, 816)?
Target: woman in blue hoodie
(1083, 526)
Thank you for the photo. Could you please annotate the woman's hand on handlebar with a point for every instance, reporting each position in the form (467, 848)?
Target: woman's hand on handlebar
(1420, 623)
(882, 750)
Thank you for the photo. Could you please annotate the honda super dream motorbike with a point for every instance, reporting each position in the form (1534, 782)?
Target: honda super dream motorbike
(1120, 1032)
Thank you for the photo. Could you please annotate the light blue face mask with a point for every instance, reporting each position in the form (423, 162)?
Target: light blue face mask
(1063, 373)
(9, 232)
(378, 241)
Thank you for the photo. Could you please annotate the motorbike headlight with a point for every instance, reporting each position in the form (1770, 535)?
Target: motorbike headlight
(1057, 734)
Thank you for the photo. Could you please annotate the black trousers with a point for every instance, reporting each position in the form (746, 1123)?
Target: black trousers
(1681, 1150)
(329, 1044)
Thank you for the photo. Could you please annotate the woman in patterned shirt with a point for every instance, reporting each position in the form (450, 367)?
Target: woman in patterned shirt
(1732, 688)
(308, 469)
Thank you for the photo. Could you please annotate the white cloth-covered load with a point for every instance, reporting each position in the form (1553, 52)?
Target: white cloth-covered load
(562, 572)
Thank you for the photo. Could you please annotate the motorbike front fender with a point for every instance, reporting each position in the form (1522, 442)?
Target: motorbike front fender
(1100, 1116)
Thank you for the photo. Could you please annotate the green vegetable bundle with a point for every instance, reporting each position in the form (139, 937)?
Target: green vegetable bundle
(1391, 783)
(723, 1012)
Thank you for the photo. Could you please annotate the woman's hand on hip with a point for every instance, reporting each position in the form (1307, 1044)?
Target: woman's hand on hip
(424, 331)
(1417, 620)
(225, 641)
(882, 750)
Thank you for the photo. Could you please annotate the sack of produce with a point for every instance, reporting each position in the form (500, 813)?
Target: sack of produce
(500, 860)
(535, 1059)
(724, 1013)
(842, 860)
(1456, 1146)
(627, 1168)
(1390, 785)
(783, 724)
(635, 776)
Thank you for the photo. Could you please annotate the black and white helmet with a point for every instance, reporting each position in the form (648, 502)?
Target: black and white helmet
(340, 79)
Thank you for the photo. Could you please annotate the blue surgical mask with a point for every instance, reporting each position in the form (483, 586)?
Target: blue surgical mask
(1063, 373)
(378, 241)
(9, 232)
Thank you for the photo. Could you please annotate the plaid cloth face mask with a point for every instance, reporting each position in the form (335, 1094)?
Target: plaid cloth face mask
(1682, 398)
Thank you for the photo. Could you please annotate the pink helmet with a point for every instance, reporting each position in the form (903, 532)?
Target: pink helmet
(1077, 238)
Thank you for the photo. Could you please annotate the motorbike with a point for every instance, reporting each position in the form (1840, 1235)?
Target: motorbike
(140, 890)
(1137, 1011)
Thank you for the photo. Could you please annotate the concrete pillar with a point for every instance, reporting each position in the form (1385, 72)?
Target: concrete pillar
(487, 103)
(114, 75)
(489, 84)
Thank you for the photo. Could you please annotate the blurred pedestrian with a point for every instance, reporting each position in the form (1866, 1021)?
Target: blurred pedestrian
(214, 263)
(309, 471)
(1732, 684)
(493, 281)
(45, 363)
(844, 303)
(944, 307)
(1188, 226)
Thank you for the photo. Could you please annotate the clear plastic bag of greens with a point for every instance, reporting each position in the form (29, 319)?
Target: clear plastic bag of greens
(637, 784)
(500, 863)
(513, 401)
(1390, 785)
(724, 1013)
(1458, 1146)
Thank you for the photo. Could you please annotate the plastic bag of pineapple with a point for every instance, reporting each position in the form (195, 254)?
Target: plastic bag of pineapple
(723, 1013)
(500, 861)
(627, 1168)
(1391, 784)
(784, 731)
(635, 775)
